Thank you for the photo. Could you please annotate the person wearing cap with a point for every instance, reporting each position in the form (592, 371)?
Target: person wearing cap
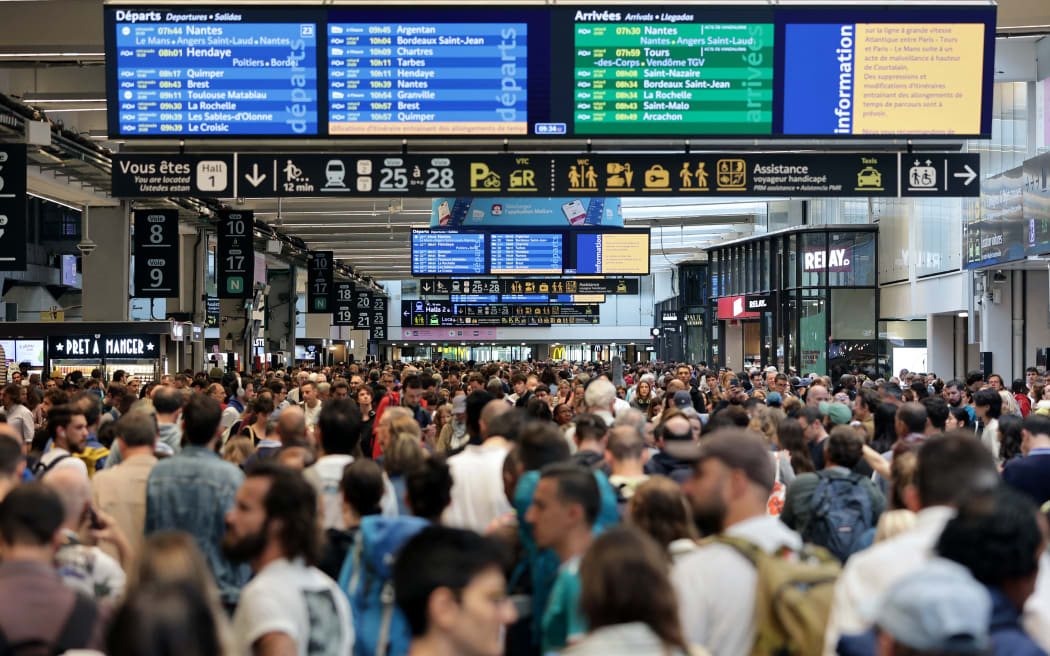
(729, 487)
(999, 541)
(950, 469)
(774, 400)
(940, 610)
(675, 432)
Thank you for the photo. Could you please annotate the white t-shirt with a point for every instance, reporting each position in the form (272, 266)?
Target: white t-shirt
(289, 597)
(312, 414)
(56, 453)
(326, 475)
(478, 496)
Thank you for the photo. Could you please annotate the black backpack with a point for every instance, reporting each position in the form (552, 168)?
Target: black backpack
(75, 634)
(841, 513)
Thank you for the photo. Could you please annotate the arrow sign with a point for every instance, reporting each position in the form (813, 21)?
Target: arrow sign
(255, 178)
(969, 174)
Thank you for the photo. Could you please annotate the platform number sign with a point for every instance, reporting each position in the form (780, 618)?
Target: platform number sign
(235, 255)
(363, 310)
(379, 305)
(156, 253)
(319, 283)
(343, 304)
(12, 207)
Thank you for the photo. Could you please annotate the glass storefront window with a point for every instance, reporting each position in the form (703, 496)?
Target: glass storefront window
(853, 313)
(814, 259)
(813, 333)
(851, 259)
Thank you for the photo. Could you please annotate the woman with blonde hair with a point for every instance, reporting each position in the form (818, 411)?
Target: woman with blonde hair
(238, 449)
(660, 508)
(173, 558)
(620, 564)
(402, 455)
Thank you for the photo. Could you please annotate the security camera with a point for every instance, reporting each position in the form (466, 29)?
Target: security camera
(87, 247)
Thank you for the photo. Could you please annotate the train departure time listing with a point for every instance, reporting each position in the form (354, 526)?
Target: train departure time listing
(216, 76)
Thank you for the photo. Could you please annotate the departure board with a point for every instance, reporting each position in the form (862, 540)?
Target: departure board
(669, 78)
(427, 78)
(214, 73)
(449, 252)
(525, 253)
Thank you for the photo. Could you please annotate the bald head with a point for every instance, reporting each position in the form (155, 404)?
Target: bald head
(490, 415)
(291, 426)
(74, 489)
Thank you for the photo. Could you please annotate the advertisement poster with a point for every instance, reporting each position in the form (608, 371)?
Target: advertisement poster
(813, 339)
(1035, 201)
(560, 212)
(997, 233)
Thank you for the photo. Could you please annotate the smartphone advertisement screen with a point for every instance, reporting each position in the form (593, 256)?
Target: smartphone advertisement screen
(582, 212)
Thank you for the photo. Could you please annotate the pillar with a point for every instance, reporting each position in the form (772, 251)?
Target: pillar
(940, 345)
(107, 270)
(231, 330)
(997, 325)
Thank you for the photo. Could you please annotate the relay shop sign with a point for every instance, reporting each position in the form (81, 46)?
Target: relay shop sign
(12, 207)
(735, 307)
(97, 347)
(835, 260)
(760, 303)
(499, 175)
(235, 255)
(156, 253)
(137, 176)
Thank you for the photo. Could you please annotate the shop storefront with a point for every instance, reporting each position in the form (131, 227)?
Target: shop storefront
(143, 349)
(804, 298)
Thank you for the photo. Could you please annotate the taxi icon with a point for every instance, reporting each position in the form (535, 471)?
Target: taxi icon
(869, 177)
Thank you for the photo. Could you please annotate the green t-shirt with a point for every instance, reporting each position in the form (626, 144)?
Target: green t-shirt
(562, 620)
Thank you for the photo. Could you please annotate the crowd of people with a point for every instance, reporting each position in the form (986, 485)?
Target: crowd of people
(446, 508)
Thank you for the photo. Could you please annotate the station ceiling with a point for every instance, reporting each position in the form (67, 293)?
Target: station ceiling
(52, 54)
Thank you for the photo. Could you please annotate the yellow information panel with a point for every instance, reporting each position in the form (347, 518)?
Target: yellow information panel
(627, 253)
(918, 75)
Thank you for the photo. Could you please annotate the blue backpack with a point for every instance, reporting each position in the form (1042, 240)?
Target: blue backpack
(841, 515)
(379, 627)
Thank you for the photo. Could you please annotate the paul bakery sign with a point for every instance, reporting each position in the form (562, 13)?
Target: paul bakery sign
(98, 347)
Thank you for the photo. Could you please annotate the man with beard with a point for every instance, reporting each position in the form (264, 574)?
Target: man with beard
(730, 486)
(290, 606)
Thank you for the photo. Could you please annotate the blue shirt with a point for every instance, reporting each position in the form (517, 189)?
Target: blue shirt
(191, 492)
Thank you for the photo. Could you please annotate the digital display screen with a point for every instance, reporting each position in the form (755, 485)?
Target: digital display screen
(31, 351)
(669, 78)
(474, 298)
(525, 253)
(883, 78)
(449, 253)
(623, 251)
(198, 72)
(427, 78)
(610, 253)
(551, 71)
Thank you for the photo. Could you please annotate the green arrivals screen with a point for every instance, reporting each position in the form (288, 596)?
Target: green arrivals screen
(673, 79)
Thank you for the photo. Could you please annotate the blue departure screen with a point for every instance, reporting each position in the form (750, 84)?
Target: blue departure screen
(214, 74)
(427, 78)
(525, 298)
(447, 252)
(526, 253)
(474, 298)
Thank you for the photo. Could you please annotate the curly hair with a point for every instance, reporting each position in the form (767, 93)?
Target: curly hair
(292, 501)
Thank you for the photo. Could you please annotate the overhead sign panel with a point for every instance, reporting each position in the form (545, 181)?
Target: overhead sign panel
(570, 179)
(235, 255)
(343, 304)
(506, 286)
(201, 72)
(319, 283)
(156, 253)
(97, 347)
(434, 314)
(379, 319)
(137, 176)
(550, 71)
(12, 207)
